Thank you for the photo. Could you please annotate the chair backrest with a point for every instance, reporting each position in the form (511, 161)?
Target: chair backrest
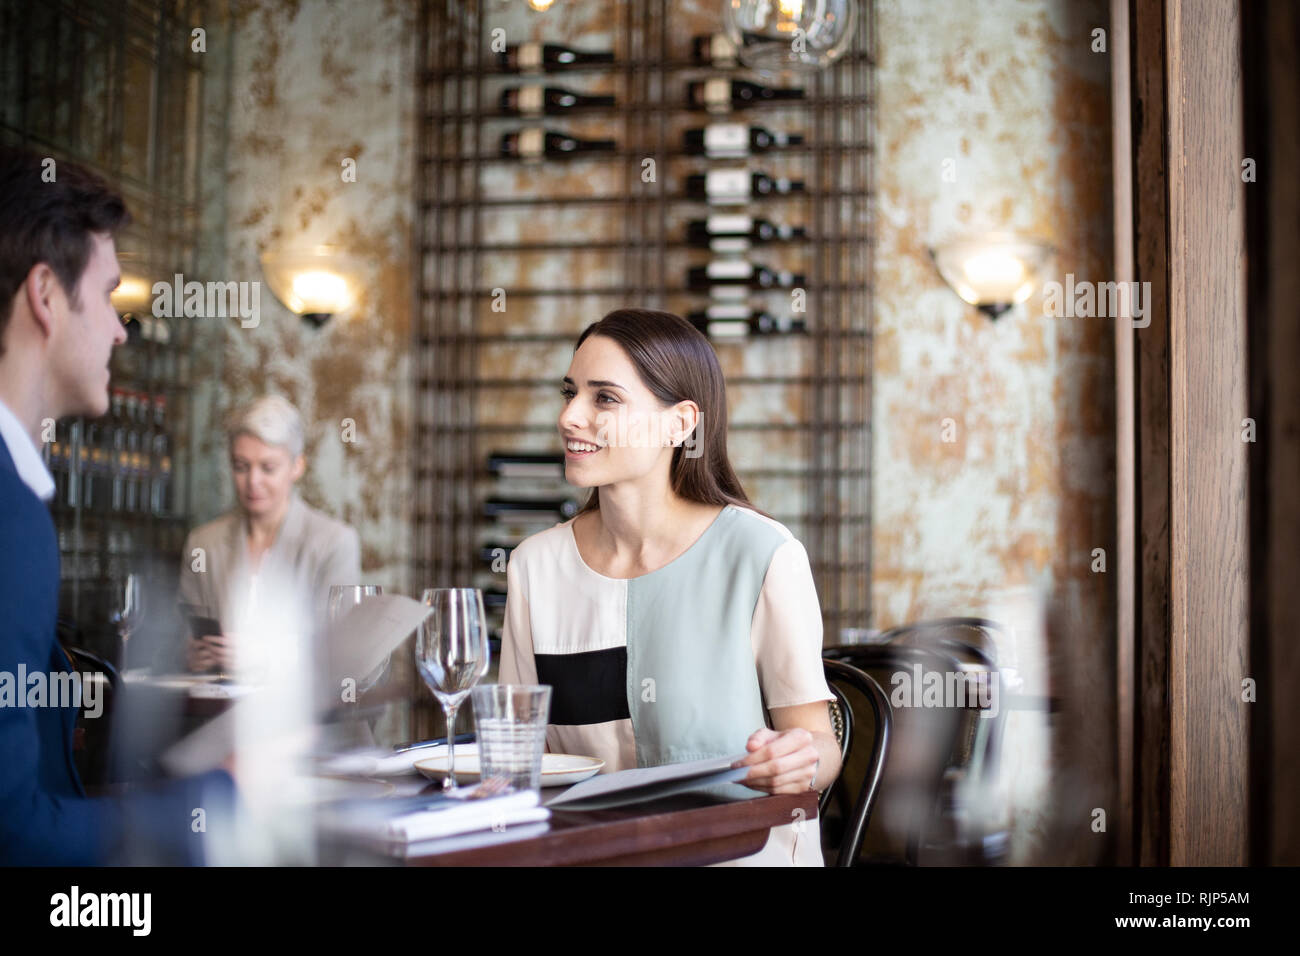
(963, 637)
(913, 790)
(842, 723)
(971, 743)
(837, 673)
(93, 760)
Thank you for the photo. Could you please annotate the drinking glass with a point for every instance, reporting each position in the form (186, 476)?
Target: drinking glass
(344, 597)
(451, 652)
(510, 722)
(125, 611)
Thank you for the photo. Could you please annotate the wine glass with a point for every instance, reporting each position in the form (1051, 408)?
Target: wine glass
(125, 612)
(451, 652)
(344, 597)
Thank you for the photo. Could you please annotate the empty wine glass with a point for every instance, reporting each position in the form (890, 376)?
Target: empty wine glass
(344, 597)
(124, 614)
(451, 652)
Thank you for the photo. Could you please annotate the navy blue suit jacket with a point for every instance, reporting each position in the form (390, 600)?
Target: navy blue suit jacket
(46, 819)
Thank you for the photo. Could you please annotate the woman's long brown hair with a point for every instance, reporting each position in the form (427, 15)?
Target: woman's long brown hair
(678, 364)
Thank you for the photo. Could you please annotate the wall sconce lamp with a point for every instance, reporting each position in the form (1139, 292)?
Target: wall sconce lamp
(992, 273)
(314, 284)
(134, 294)
(133, 297)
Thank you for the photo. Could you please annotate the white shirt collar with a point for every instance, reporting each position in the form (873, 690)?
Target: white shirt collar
(26, 458)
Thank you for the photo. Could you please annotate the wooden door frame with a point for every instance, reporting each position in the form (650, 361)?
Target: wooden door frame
(1183, 598)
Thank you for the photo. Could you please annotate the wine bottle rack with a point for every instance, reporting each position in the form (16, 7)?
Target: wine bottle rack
(567, 240)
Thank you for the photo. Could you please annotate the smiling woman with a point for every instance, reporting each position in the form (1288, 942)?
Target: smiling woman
(673, 620)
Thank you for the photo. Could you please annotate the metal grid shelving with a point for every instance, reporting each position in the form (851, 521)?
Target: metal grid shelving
(827, 450)
(116, 87)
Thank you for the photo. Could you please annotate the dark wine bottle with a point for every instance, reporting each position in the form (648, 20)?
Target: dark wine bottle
(161, 477)
(533, 143)
(735, 140)
(529, 508)
(492, 551)
(735, 233)
(117, 457)
(726, 321)
(535, 57)
(731, 186)
(742, 273)
(512, 464)
(713, 50)
(720, 94)
(550, 100)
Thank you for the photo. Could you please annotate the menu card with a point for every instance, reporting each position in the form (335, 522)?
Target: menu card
(642, 784)
(355, 645)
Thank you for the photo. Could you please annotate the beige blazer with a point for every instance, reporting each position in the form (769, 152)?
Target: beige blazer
(312, 552)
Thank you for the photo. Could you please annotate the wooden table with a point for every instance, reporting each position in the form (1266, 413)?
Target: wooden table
(690, 829)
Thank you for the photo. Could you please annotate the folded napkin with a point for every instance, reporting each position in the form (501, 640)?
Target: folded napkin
(439, 815)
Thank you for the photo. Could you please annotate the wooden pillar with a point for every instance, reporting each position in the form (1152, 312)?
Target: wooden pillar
(1183, 608)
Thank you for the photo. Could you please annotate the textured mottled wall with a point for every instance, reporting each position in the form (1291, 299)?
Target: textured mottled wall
(310, 84)
(1004, 518)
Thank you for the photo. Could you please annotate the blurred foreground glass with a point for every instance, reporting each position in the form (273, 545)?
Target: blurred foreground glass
(343, 598)
(510, 721)
(798, 36)
(451, 652)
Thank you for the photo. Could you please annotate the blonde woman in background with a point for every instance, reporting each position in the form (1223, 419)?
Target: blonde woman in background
(270, 560)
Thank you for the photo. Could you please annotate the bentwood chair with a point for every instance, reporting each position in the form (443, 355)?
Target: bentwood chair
(840, 676)
(92, 739)
(953, 752)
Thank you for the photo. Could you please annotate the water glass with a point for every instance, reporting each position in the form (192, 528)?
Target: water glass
(510, 720)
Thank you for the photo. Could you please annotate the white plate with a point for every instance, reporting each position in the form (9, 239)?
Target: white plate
(558, 770)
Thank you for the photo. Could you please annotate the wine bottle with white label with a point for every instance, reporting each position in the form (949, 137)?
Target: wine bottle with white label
(720, 94)
(534, 143)
(548, 100)
(713, 50)
(536, 57)
(735, 140)
(734, 233)
(731, 186)
(494, 551)
(733, 321)
(738, 272)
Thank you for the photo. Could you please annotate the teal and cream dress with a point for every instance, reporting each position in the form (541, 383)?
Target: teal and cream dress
(678, 664)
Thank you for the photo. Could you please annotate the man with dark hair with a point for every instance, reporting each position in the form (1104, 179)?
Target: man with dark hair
(58, 267)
